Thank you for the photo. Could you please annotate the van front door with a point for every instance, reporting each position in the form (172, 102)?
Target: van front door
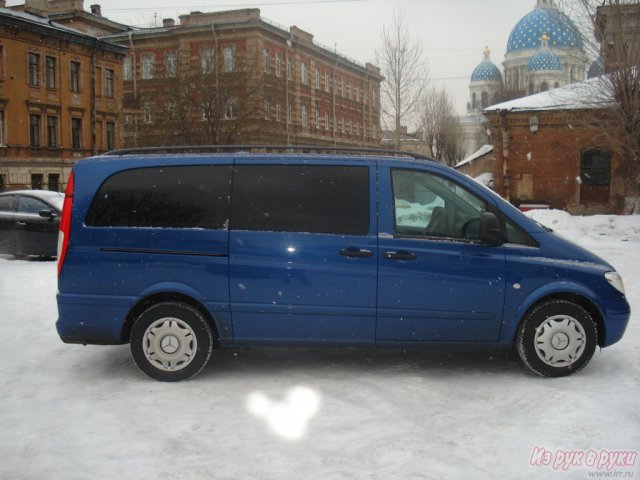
(302, 253)
(436, 281)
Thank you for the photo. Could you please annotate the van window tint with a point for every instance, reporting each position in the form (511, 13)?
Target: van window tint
(428, 205)
(169, 197)
(301, 198)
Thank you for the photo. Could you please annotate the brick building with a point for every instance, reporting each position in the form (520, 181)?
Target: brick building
(233, 77)
(60, 97)
(547, 151)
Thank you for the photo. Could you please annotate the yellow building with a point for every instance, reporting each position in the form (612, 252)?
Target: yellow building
(60, 97)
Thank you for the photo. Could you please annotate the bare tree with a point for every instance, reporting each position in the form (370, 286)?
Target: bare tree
(401, 60)
(211, 102)
(440, 126)
(611, 30)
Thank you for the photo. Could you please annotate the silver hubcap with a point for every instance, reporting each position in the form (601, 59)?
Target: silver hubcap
(560, 341)
(169, 344)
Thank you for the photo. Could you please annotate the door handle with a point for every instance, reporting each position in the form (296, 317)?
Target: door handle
(355, 252)
(21, 224)
(401, 255)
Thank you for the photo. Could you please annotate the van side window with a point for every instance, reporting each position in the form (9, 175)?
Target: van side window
(301, 198)
(427, 205)
(166, 197)
(517, 236)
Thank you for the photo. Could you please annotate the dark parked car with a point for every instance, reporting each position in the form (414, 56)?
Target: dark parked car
(29, 222)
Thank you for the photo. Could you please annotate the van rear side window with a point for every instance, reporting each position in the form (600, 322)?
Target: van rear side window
(167, 197)
(301, 198)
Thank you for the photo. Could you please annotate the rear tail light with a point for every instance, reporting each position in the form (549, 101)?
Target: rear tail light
(65, 224)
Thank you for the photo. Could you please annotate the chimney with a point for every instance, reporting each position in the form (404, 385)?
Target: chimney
(168, 22)
(39, 8)
(96, 9)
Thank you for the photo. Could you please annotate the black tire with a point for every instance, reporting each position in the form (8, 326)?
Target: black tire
(557, 338)
(171, 341)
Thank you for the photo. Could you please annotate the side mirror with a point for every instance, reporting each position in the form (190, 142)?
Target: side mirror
(490, 231)
(50, 214)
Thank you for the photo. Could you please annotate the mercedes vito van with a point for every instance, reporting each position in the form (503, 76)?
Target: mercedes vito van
(178, 254)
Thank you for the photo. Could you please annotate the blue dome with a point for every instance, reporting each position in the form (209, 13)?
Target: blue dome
(486, 72)
(596, 69)
(528, 31)
(544, 60)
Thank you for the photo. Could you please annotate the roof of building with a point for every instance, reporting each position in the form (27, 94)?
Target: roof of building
(544, 20)
(544, 60)
(482, 151)
(590, 94)
(486, 71)
(43, 24)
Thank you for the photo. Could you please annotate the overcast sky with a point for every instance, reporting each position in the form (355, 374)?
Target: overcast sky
(453, 32)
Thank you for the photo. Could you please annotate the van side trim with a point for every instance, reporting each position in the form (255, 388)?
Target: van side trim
(162, 252)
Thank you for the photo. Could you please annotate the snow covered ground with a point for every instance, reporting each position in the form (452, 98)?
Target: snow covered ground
(73, 412)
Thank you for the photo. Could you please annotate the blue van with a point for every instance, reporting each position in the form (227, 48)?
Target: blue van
(180, 253)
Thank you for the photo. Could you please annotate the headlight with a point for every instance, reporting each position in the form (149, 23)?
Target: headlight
(615, 280)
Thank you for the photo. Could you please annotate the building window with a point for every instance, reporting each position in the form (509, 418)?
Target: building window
(53, 182)
(206, 60)
(484, 100)
(147, 66)
(265, 58)
(317, 117)
(229, 109)
(342, 87)
(34, 69)
(326, 81)
(146, 114)
(350, 92)
(52, 132)
(109, 81)
(76, 132)
(289, 113)
(326, 117)
(126, 68)
(289, 69)
(1, 127)
(34, 130)
(50, 72)
(595, 168)
(229, 58)
(317, 78)
(278, 64)
(277, 112)
(267, 108)
(171, 64)
(1, 183)
(36, 181)
(111, 135)
(304, 75)
(305, 116)
(1, 65)
(74, 79)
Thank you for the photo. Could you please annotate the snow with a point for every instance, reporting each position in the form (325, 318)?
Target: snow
(591, 93)
(479, 153)
(73, 412)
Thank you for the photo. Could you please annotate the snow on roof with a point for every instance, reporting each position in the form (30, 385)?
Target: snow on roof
(589, 94)
(43, 21)
(481, 152)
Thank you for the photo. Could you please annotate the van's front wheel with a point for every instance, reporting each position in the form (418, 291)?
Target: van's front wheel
(171, 341)
(557, 338)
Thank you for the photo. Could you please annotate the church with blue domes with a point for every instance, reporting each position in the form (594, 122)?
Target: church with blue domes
(544, 51)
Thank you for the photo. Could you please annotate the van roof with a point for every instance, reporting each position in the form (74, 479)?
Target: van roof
(270, 149)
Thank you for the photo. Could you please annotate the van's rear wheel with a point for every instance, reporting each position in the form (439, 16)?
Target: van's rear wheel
(557, 338)
(171, 341)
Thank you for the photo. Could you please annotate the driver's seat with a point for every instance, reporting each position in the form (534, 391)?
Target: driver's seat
(439, 224)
